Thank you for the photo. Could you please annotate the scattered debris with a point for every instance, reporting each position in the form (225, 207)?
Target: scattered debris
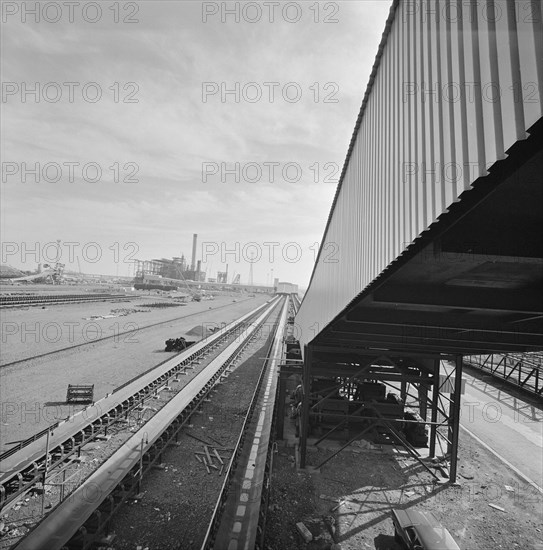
(304, 532)
(341, 502)
(496, 507)
(209, 454)
(121, 312)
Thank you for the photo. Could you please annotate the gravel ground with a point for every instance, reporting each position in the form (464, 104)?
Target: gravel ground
(33, 393)
(358, 489)
(178, 500)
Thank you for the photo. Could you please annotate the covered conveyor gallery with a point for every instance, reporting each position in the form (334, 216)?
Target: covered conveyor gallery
(437, 224)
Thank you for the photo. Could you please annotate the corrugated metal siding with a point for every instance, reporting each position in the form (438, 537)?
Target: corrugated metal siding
(452, 134)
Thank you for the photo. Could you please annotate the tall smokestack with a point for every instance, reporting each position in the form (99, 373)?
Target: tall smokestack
(194, 244)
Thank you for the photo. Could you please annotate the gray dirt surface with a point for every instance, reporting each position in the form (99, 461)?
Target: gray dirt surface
(33, 393)
(358, 489)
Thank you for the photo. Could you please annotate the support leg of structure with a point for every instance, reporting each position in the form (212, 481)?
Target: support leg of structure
(403, 390)
(423, 400)
(280, 419)
(435, 404)
(304, 417)
(455, 410)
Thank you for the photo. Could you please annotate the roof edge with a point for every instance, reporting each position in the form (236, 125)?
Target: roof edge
(369, 88)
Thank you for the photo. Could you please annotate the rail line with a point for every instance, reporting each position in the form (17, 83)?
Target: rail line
(116, 335)
(78, 521)
(239, 517)
(22, 468)
(295, 303)
(18, 301)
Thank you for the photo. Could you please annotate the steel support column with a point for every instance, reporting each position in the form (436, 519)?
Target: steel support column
(435, 405)
(403, 390)
(423, 399)
(455, 417)
(281, 398)
(304, 417)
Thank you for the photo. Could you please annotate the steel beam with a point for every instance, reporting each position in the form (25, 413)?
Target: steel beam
(385, 345)
(435, 406)
(392, 377)
(281, 398)
(431, 334)
(478, 299)
(455, 418)
(357, 436)
(436, 324)
(326, 347)
(304, 418)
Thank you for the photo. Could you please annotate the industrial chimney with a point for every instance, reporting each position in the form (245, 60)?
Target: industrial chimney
(194, 244)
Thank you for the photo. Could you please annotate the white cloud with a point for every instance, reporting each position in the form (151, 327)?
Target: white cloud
(170, 131)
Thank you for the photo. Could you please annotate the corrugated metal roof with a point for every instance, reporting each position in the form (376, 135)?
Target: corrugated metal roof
(414, 155)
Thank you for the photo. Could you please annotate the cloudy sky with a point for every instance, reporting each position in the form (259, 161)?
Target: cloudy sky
(150, 121)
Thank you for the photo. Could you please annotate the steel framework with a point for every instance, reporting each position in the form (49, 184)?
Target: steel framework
(520, 369)
(434, 389)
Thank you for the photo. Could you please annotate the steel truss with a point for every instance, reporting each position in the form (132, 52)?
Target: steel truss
(524, 370)
(435, 395)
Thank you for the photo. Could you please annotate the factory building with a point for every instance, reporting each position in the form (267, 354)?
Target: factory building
(176, 268)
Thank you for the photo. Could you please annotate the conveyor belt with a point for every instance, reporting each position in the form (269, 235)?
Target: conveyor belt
(65, 520)
(37, 300)
(240, 511)
(22, 469)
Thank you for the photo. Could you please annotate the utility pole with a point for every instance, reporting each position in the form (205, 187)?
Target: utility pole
(46, 468)
(251, 269)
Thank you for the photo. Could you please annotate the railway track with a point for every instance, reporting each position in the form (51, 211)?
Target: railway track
(30, 301)
(239, 517)
(22, 467)
(161, 427)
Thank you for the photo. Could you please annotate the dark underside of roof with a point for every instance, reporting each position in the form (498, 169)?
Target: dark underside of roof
(472, 284)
